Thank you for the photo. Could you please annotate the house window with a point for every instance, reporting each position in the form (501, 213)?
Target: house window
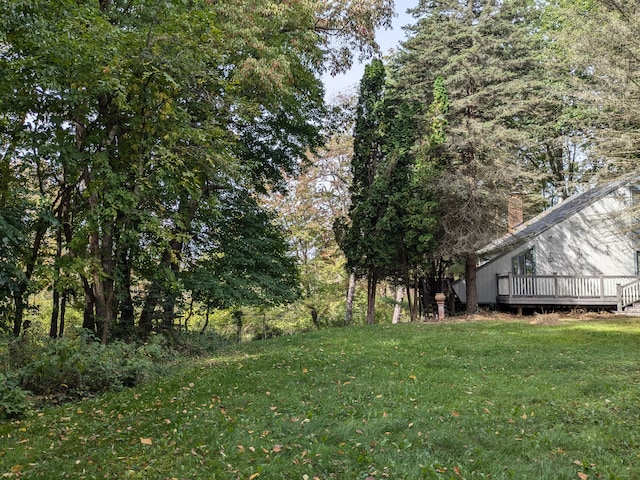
(524, 263)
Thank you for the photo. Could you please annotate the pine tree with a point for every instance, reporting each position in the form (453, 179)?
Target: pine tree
(480, 49)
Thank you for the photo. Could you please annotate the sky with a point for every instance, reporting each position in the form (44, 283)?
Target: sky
(387, 39)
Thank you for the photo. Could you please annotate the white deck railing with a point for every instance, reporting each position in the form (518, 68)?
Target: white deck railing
(628, 294)
(625, 288)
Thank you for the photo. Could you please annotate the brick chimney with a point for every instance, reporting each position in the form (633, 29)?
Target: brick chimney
(514, 212)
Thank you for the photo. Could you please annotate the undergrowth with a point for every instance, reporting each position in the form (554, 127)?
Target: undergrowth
(40, 370)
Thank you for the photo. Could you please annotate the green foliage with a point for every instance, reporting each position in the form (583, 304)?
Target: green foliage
(72, 367)
(603, 79)
(367, 236)
(243, 258)
(484, 399)
(198, 344)
(14, 400)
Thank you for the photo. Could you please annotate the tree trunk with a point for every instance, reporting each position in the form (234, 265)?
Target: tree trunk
(372, 283)
(55, 311)
(351, 291)
(206, 322)
(89, 319)
(397, 309)
(314, 316)
(18, 305)
(412, 308)
(171, 260)
(237, 316)
(101, 247)
(471, 284)
(145, 323)
(63, 312)
(19, 294)
(123, 271)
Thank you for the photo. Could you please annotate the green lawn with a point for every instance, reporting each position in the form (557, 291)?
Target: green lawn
(442, 401)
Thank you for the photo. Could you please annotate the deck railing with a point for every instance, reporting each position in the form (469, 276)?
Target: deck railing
(628, 294)
(594, 288)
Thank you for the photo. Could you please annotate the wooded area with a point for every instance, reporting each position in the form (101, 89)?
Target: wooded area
(159, 155)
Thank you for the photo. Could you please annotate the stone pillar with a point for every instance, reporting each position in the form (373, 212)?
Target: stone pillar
(440, 298)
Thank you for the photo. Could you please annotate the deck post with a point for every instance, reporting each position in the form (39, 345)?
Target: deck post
(619, 295)
(602, 287)
(510, 290)
(555, 284)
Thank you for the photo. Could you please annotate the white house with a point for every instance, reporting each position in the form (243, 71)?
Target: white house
(584, 251)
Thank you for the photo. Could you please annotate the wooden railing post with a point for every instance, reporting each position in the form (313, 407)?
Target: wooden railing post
(602, 287)
(510, 285)
(555, 284)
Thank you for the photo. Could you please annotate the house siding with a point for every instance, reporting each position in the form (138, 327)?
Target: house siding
(595, 240)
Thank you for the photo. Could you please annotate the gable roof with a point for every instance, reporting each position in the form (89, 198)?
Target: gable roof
(554, 215)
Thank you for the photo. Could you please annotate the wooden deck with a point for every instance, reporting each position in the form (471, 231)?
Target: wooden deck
(565, 290)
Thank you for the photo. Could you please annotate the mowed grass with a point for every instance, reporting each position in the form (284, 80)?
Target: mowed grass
(410, 401)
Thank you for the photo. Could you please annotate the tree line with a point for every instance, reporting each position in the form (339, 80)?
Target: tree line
(153, 152)
(137, 138)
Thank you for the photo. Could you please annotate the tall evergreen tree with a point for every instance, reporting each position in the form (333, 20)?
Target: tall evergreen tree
(481, 51)
(364, 236)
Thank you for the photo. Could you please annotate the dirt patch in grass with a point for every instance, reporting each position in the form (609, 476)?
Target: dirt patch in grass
(545, 319)
(550, 318)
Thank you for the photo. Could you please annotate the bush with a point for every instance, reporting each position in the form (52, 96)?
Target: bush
(14, 401)
(77, 367)
(56, 369)
(66, 368)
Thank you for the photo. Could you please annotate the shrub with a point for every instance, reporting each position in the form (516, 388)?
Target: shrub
(77, 367)
(56, 368)
(14, 401)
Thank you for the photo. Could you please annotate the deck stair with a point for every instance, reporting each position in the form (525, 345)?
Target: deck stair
(629, 297)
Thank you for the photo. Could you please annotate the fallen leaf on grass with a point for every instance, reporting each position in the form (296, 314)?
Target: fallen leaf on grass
(583, 476)
(254, 476)
(146, 441)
